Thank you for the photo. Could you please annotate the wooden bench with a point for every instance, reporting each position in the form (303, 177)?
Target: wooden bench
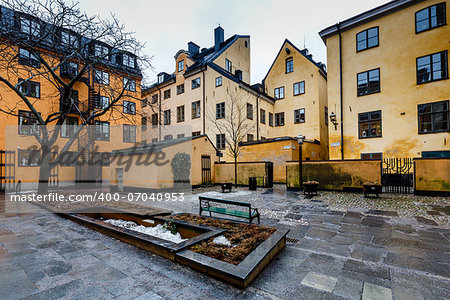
(226, 186)
(249, 213)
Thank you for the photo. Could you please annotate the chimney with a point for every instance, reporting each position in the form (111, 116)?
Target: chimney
(193, 49)
(218, 37)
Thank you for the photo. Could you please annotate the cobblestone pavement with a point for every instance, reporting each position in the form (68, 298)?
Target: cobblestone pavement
(333, 253)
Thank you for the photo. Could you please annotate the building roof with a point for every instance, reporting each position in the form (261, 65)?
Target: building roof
(304, 52)
(158, 146)
(366, 17)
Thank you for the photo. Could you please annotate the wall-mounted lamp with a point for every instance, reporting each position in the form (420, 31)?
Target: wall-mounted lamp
(333, 120)
(287, 50)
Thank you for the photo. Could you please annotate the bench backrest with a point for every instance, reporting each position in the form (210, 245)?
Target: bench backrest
(225, 201)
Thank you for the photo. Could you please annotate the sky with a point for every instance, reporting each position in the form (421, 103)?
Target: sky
(166, 26)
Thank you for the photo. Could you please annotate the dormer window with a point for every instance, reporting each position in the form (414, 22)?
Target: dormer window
(161, 78)
(128, 60)
(69, 39)
(180, 65)
(29, 26)
(101, 51)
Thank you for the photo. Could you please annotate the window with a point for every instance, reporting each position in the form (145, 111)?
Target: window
(434, 117)
(129, 107)
(249, 111)
(68, 127)
(271, 119)
(289, 65)
(228, 65)
(367, 39)
(103, 103)
(101, 51)
(26, 121)
(28, 158)
(167, 117)
(154, 120)
(262, 116)
(180, 136)
(371, 155)
(220, 110)
(30, 88)
(299, 88)
(238, 74)
(180, 65)
(129, 84)
(160, 78)
(196, 133)
(432, 67)
(279, 119)
(68, 39)
(220, 141)
(154, 140)
(195, 109)
(155, 98)
(180, 113)
(195, 83)
(69, 69)
(326, 115)
(218, 81)
(180, 89)
(368, 82)
(279, 93)
(101, 131)
(369, 124)
(166, 94)
(250, 137)
(430, 17)
(168, 137)
(28, 59)
(101, 77)
(144, 124)
(129, 133)
(30, 27)
(299, 116)
(128, 60)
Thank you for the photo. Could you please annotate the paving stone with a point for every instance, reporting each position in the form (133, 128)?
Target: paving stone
(368, 252)
(320, 281)
(14, 283)
(404, 228)
(352, 218)
(56, 292)
(320, 234)
(409, 262)
(375, 292)
(426, 221)
(373, 221)
(383, 212)
(361, 267)
(341, 240)
(348, 287)
(57, 267)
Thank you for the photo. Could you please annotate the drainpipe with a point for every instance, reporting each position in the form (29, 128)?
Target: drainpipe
(340, 90)
(159, 113)
(257, 116)
(204, 103)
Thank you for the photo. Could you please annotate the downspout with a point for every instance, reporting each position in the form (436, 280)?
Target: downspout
(204, 102)
(340, 90)
(257, 116)
(159, 113)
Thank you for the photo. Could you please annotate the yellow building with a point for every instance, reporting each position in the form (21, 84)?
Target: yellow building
(94, 90)
(198, 98)
(388, 84)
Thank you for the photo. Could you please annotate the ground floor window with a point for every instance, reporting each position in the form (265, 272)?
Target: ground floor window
(129, 133)
(371, 155)
(369, 124)
(434, 117)
(28, 158)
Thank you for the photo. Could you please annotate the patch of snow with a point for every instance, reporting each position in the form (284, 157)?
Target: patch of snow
(157, 231)
(231, 194)
(221, 240)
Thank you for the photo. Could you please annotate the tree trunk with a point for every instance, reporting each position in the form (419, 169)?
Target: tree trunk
(44, 175)
(235, 171)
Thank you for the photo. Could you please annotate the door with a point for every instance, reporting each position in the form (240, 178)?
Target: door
(269, 175)
(119, 179)
(206, 169)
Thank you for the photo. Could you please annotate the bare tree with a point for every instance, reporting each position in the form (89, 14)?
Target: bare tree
(235, 125)
(58, 45)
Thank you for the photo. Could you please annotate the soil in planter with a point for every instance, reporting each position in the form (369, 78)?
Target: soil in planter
(244, 238)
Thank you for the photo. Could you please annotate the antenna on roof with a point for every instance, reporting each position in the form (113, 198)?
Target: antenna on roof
(304, 41)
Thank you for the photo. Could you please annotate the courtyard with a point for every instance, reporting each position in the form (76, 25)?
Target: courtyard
(340, 246)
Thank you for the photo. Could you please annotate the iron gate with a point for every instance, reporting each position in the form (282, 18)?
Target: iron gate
(398, 175)
(206, 169)
(269, 174)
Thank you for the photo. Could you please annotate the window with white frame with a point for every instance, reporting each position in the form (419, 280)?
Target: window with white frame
(129, 84)
(101, 51)
(228, 65)
(101, 77)
(129, 107)
(69, 39)
(299, 115)
(218, 81)
(129, 133)
(299, 88)
(279, 92)
(180, 65)
(128, 60)
(30, 27)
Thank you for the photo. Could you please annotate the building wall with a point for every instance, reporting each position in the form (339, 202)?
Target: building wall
(399, 46)
(432, 175)
(239, 55)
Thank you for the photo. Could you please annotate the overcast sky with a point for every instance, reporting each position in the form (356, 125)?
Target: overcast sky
(166, 26)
